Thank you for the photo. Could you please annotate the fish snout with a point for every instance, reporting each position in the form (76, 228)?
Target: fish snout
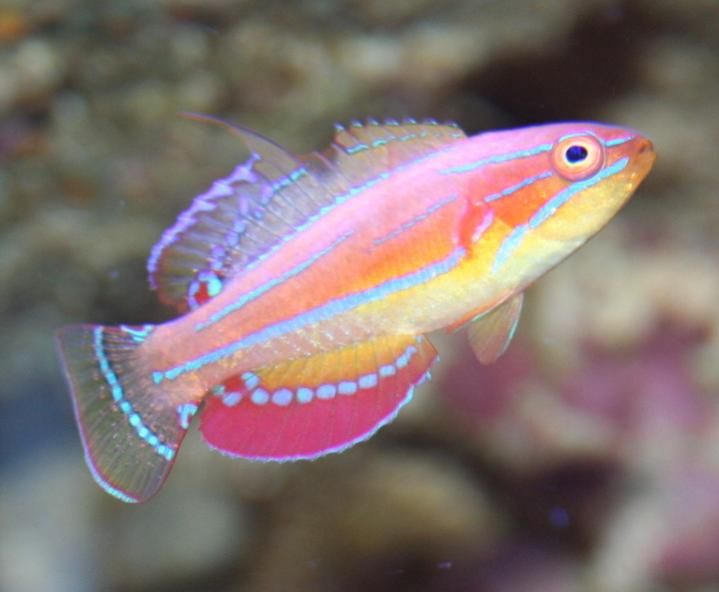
(643, 156)
(645, 147)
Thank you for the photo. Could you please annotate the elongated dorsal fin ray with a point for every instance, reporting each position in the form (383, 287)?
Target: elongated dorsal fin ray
(309, 407)
(273, 196)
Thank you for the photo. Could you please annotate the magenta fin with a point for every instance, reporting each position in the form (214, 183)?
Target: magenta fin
(308, 408)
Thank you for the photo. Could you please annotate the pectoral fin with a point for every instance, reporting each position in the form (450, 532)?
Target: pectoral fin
(490, 334)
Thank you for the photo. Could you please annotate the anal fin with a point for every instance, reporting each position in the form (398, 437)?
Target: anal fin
(305, 408)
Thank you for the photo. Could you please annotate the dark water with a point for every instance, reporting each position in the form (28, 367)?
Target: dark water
(584, 460)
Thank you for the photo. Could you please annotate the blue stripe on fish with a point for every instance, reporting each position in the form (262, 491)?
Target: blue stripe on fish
(521, 185)
(465, 168)
(618, 141)
(498, 159)
(607, 144)
(288, 180)
(513, 240)
(244, 170)
(379, 142)
(138, 335)
(338, 201)
(552, 205)
(321, 313)
(114, 491)
(266, 287)
(414, 221)
(509, 244)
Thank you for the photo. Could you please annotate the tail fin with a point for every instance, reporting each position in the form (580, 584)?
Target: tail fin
(130, 429)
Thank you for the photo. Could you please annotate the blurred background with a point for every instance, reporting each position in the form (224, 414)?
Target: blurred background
(587, 459)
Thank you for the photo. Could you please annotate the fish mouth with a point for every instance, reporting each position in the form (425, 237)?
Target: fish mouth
(645, 148)
(643, 157)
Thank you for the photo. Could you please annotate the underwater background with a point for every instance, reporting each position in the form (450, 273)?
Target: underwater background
(586, 459)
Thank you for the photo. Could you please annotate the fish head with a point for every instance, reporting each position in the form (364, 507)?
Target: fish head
(595, 169)
(549, 189)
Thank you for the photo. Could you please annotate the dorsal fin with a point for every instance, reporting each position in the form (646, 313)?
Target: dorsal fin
(239, 218)
(360, 150)
(273, 195)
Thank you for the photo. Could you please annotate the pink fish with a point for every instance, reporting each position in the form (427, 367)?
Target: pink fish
(309, 284)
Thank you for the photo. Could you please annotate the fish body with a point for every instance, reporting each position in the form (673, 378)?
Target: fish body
(308, 285)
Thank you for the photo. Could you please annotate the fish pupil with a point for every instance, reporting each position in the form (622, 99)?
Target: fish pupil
(576, 153)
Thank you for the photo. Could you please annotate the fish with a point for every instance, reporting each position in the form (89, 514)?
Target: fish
(306, 286)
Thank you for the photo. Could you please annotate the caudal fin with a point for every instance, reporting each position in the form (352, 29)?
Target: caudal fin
(130, 429)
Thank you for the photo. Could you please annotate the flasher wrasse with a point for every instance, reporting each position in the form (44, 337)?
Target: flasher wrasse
(308, 285)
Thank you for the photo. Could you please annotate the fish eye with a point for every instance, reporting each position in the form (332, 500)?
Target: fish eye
(578, 157)
(575, 153)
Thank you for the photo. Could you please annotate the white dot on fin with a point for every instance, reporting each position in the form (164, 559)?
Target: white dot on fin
(388, 370)
(214, 285)
(282, 397)
(326, 391)
(231, 399)
(251, 380)
(347, 387)
(304, 395)
(185, 413)
(260, 396)
(403, 360)
(367, 381)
